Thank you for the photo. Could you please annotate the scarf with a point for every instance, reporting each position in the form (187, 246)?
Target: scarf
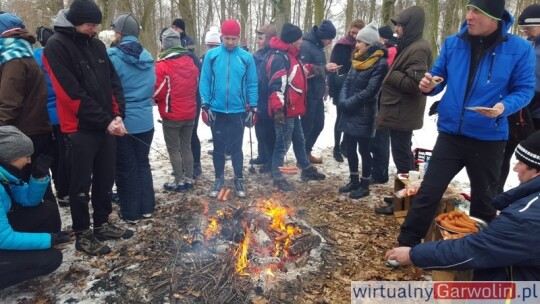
(173, 51)
(363, 61)
(14, 48)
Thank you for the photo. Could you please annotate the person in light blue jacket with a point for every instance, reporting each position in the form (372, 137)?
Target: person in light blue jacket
(28, 226)
(135, 67)
(228, 89)
(488, 74)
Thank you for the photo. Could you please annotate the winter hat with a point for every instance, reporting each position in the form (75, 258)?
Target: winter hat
(230, 28)
(179, 23)
(491, 8)
(43, 34)
(14, 144)
(9, 21)
(170, 38)
(269, 30)
(386, 32)
(530, 15)
(84, 11)
(213, 37)
(126, 24)
(528, 151)
(326, 30)
(290, 33)
(369, 34)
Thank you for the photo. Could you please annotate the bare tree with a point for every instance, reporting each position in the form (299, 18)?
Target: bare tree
(387, 11)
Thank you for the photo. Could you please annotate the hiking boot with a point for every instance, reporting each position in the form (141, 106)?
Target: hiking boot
(311, 173)
(257, 161)
(63, 201)
(239, 187)
(337, 155)
(197, 170)
(173, 186)
(373, 181)
(353, 184)
(283, 185)
(89, 244)
(111, 232)
(132, 222)
(187, 187)
(265, 168)
(218, 184)
(386, 210)
(388, 200)
(362, 191)
(314, 159)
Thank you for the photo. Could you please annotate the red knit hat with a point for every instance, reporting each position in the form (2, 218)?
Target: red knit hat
(230, 28)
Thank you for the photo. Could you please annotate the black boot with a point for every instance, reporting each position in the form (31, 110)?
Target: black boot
(337, 154)
(362, 191)
(353, 184)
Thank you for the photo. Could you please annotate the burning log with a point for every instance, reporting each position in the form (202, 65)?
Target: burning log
(233, 231)
(201, 223)
(261, 261)
(304, 243)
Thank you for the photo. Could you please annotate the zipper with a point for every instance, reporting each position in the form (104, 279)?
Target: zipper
(491, 66)
(228, 78)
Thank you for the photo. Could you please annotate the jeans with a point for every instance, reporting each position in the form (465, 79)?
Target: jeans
(134, 182)
(363, 144)
(291, 131)
(380, 150)
(228, 133)
(313, 123)
(482, 160)
(401, 150)
(177, 135)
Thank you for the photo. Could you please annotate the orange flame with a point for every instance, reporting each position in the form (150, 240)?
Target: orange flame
(241, 252)
(212, 228)
(270, 273)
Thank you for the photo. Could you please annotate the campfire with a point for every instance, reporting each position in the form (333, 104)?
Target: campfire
(264, 241)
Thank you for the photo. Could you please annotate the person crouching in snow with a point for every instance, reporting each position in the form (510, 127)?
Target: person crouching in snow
(175, 93)
(358, 101)
(29, 228)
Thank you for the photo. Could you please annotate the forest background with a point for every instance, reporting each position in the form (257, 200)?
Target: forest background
(443, 17)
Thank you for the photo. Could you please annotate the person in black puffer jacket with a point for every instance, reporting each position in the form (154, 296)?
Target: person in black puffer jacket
(358, 100)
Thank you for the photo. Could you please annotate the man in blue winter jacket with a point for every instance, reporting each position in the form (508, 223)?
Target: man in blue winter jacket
(508, 249)
(228, 89)
(488, 75)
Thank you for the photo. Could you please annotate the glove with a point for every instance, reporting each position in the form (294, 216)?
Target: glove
(433, 108)
(279, 117)
(41, 166)
(60, 238)
(208, 116)
(251, 118)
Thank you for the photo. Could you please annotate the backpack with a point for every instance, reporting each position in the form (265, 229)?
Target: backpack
(263, 74)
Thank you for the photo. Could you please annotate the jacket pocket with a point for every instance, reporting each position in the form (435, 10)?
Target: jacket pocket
(88, 75)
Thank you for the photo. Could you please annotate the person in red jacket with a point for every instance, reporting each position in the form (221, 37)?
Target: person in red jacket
(175, 92)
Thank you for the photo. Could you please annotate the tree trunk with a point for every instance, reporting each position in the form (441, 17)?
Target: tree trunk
(431, 26)
(148, 32)
(308, 17)
(349, 13)
(243, 21)
(372, 8)
(319, 11)
(281, 12)
(387, 12)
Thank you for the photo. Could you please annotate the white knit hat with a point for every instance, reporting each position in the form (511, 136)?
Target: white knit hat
(213, 37)
(369, 34)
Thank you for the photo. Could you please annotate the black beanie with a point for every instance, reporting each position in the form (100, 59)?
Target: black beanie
(530, 15)
(179, 23)
(386, 32)
(491, 8)
(528, 151)
(290, 33)
(84, 11)
(43, 34)
(326, 30)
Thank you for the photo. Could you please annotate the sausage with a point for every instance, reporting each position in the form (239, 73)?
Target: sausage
(453, 227)
(227, 194)
(221, 194)
(441, 217)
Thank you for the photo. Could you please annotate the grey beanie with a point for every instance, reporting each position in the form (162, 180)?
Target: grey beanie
(14, 144)
(369, 34)
(170, 38)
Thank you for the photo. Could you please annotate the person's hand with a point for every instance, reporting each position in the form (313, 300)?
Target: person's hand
(60, 237)
(318, 70)
(429, 82)
(494, 112)
(116, 127)
(399, 254)
(208, 116)
(279, 117)
(251, 118)
(332, 67)
(41, 166)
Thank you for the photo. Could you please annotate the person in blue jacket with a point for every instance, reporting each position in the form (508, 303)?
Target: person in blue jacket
(508, 249)
(488, 75)
(28, 227)
(228, 88)
(135, 67)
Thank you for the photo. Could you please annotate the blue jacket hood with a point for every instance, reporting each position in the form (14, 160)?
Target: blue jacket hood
(131, 51)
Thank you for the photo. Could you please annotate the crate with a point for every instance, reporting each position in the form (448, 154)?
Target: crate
(421, 155)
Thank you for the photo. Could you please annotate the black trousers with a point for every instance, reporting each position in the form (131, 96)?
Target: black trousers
(337, 133)
(17, 266)
(268, 138)
(505, 168)
(59, 166)
(401, 150)
(43, 144)
(313, 122)
(92, 158)
(481, 159)
(228, 134)
(380, 150)
(363, 145)
(195, 142)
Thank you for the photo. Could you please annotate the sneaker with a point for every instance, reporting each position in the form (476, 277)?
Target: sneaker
(239, 187)
(63, 201)
(386, 210)
(218, 184)
(311, 173)
(133, 222)
(147, 215)
(283, 185)
(112, 232)
(257, 161)
(314, 159)
(197, 170)
(349, 187)
(174, 186)
(359, 193)
(186, 187)
(89, 244)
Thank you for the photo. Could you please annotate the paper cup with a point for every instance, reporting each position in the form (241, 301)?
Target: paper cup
(414, 175)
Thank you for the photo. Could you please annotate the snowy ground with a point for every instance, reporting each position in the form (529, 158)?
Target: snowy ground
(29, 293)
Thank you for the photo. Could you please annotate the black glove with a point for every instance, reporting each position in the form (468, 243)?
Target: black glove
(41, 166)
(251, 118)
(208, 116)
(433, 108)
(279, 117)
(60, 238)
